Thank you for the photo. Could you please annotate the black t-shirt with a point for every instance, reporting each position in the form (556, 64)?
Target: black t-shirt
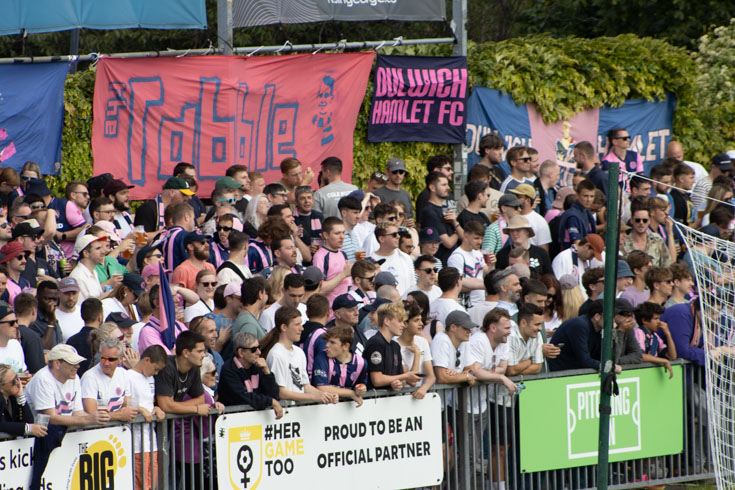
(147, 216)
(466, 216)
(432, 216)
(540, 262)
(681, 204)
(170, 382)
(382, 356)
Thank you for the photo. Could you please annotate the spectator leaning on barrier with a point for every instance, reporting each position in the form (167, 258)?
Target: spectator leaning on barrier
(652, 344)
(415, 349)
(288, 362)
(525, 341)
(625, 346)
(338, 370)
(383, 354)
(446, 350)
(106, 386)
(246, 379)
(578, 338)
(181, 377)
(16, 416)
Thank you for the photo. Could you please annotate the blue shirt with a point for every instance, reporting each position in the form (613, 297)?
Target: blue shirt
(580, 340)
(680, 319)
(174, 250)
(576, 223)
(329, 371)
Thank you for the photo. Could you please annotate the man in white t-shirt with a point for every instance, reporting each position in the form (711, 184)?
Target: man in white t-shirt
(143, 391)
(287, 361)
(106, 386)
(56, 390)
(293, 293)
(479, 310)
(487, 356)
(450, 282)
(392, 259)
(11, 352)
(426, 270)
(542, 234)
(577, 259)
(468, 259)
(68, 313)
(446, 351)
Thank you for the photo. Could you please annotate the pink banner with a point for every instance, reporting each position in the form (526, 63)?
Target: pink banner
(556, 141)
(214, 112)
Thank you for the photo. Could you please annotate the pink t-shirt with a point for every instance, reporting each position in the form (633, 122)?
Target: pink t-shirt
(186, 274)
(75, 218)
(641, 338)
(336, 262)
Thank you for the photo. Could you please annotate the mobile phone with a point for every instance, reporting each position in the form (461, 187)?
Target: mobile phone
(560, 345)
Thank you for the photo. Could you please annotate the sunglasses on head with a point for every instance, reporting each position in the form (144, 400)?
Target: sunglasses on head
(380, 176)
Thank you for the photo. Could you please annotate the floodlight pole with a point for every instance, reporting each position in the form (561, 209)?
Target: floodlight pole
(224, 26)
(607, 366)
(459, 26)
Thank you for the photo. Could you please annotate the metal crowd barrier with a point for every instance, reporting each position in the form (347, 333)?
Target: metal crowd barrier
(186, 456)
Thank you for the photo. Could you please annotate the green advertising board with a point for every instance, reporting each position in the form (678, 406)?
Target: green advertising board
(559, 419)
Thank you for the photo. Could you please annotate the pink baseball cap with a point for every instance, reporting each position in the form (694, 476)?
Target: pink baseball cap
(233, 288)
(151, 270)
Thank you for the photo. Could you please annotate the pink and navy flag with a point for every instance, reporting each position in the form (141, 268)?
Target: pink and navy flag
(166, 311)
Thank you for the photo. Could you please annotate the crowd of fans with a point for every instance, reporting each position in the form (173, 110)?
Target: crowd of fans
(310, 289)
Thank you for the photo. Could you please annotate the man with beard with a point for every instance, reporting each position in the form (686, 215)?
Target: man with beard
(69, 219)
(198, 248)
(46, 325)
(285, 255)
(77, 193)
(439, 217)
(309, 220)
(119, 192)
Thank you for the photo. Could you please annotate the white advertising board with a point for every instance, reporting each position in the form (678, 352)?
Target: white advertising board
(391, 442)
(86, 460)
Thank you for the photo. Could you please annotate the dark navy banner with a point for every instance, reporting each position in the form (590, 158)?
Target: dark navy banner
(32, 114)
(419, 98)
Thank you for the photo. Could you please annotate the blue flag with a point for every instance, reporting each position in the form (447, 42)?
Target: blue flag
(166, 311)
(32, 115)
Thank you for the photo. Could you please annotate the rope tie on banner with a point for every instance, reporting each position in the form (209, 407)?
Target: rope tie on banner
(285, 45)
(341, 44)
(320, 48)
(253, 52)
(95, 58)
(379, 46)
(184, 53)
(398, 40)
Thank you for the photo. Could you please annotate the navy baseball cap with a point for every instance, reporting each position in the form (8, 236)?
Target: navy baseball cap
(195, 236)
(428, 234)
(344, 301)
(376, 304)
(38, 187)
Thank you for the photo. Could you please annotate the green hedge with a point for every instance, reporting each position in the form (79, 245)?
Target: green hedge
(562, 76)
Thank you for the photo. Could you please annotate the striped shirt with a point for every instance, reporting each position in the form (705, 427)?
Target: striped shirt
(349, 247)
(329, 371)
(493, 239)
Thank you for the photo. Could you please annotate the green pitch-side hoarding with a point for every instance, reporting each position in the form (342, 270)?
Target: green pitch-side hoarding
(559, 419)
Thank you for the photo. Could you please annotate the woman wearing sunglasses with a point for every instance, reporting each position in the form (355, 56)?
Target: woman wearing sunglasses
(16, 417)
(618, 142)
(206, 284)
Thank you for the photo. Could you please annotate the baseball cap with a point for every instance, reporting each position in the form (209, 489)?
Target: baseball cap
(11, 250)
(135, 282)
(624, 270)
(312, 276)
(622, 305)
(150, 270)
(114, 186)
(459, 318)
(524, 190)
(568, 281)
(395, 164)
(5, 309)
(233, 288)
(110, 229)
(65, 352)
(722, 161)
(180, 184)
(383, 278)
(38, 187)
(98, 182)
(344, 301)
(83, 242)
(358, 194)
(140, 256)
(428, 235)
(510, 200)
(227, 183)
(120, 319)
(29, 227)
(376, 304)
(597, 243)
(68, 284)
(195, 236)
